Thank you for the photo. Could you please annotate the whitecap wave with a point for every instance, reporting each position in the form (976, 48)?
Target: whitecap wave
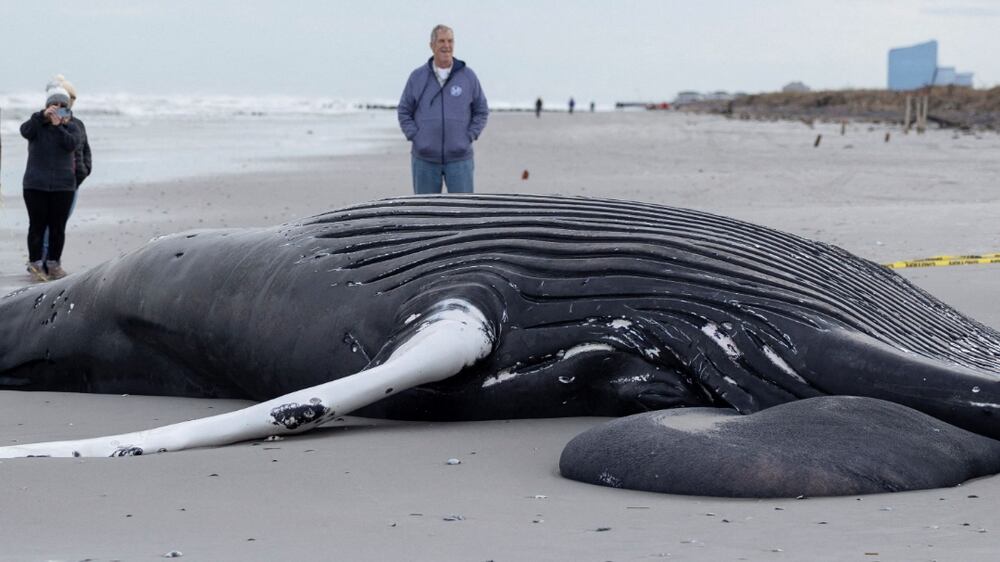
(19, 105)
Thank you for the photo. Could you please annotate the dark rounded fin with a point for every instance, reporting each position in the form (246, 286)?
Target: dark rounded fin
(823, 446)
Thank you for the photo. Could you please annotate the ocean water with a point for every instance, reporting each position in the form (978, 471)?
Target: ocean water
(140, 139)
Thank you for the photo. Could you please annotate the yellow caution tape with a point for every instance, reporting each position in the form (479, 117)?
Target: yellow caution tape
(968, 257)
(941, 261)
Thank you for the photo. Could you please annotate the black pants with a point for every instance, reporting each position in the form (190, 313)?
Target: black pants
(47, 209)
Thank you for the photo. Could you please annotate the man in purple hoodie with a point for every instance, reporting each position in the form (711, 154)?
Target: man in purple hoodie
(442, 111)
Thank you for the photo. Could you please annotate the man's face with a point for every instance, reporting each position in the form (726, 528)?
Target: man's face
(442, 47)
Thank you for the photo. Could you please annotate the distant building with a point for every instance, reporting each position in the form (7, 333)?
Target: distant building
(719, 95)
(915, 67)
(912, 67)
(795, 87)
(687, 96)
(691, 96)
(963, 79)
(945, 75)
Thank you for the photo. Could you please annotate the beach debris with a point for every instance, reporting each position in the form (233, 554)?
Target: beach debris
(538, 497)
(602, 529)
(818, 138)
(776, 550)
(453, 461)
(454, 518)
(887, 137)
(173, 554)
(885, 508)
(538, 521)
(274, 438)
(524, 175)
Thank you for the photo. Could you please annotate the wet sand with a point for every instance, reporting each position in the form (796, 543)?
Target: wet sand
(376, 490)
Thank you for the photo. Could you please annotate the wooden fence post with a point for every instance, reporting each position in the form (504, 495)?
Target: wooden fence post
(922, 105)
(906, 115)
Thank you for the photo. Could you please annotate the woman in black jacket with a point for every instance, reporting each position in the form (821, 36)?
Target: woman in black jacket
(82, 163)
(49, 181)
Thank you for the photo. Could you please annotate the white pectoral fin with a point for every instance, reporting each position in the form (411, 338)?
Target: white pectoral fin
(454, 335)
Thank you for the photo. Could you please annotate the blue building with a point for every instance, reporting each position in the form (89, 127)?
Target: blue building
(963, 79)
(915, 67)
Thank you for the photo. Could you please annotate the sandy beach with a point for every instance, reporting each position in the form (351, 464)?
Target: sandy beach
(378, 490)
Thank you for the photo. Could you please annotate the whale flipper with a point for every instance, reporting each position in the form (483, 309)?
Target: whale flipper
(821, 446)
(454, 335)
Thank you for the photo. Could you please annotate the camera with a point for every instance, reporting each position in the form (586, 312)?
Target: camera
(63, 112)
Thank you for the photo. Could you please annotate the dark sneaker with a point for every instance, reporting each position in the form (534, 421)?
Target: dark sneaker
(36, 269)
(55, 270)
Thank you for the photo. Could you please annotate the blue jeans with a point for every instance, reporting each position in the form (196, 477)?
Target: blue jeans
(427, 176)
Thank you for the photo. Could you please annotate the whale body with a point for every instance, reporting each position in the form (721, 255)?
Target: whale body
(595, 308)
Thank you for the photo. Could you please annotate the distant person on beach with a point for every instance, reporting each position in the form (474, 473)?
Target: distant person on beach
(441, 112)
(591, 107)
(538, 107)
(572, 104)
(49, 181)
(82, 161)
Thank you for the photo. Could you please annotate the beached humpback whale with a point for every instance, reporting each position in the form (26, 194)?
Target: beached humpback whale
(487, 307)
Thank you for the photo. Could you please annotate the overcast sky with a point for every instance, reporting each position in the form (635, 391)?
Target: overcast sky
(605, 50)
